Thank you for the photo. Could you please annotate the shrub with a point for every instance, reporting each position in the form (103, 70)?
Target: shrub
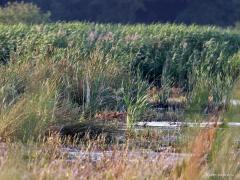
(28, 13)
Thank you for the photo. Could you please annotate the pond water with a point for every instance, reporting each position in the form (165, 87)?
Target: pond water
(174, 125)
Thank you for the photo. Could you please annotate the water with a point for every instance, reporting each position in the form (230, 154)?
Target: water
(175, 125)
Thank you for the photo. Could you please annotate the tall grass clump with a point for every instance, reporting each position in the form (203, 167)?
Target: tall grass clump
(135, 99)
(43, 92)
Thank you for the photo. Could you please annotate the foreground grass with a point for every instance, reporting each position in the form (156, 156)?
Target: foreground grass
(214, 156)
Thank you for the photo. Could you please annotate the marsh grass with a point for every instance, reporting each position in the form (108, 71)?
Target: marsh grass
(232, 113)
(224, 156)
(214, 156)
(34, 164)
(135, 99)
(41, 93)
(83, 68)
(65, 74)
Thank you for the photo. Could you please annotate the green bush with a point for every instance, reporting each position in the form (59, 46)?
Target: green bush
(28, 13)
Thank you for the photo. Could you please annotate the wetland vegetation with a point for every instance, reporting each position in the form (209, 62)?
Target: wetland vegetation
(76, 99)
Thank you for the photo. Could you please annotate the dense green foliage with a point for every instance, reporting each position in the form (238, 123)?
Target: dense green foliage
(175, 51)
(218, 12)
(27, 13)
(62, 73)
